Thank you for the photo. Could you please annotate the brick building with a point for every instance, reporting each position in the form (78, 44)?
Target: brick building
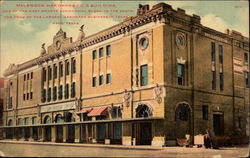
(152, 78)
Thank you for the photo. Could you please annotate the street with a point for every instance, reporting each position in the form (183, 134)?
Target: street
(29, 149)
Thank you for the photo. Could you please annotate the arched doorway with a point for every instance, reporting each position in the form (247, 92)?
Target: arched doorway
(10, 131)
(20, 130)
(182, 120)
(59, 129)
(47, 136)
(143, 130)
(71, 128)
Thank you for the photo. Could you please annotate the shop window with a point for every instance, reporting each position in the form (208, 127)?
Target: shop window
(144, 75)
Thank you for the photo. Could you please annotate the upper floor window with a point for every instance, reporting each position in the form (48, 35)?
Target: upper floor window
(180, 74)
(54, 93)
(28, 96)
(94, 54)
(73, 90)
(108, 50)
(144, 75)
(213, 51)
(24, 96)
(27, 121)
(67, 71)
(55, 71)
(66, 93)
(247, 79)
(220, 54)
(204, 112)
(108, 78)
(73, 62)
(10, 103)
(101, 80)
(221, 82)
(60, 69)
(31, 95)
(43, 95)
(28, 76)
(246, 58)
(60, 92)
(44, 74)
(24, 77)
(20, 121)
(49, 95)
(94, 82)
(49, 73)
(100, 52)
(34, 120)
(31, 75)
(213, 80)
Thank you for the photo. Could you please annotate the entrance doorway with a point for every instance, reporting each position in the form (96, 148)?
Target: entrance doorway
(47, 136)
(71, 128)
(143, 133)
(59, 129)
(218, 124)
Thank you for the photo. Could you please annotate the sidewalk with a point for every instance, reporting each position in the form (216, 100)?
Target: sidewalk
(83, 145)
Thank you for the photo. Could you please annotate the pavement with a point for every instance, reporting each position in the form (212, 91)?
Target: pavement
(12, 148)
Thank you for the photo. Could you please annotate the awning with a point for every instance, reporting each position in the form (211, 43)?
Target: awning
(98, 111)
(84, 110)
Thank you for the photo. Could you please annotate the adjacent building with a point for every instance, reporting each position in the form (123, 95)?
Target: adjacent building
(1, 104)
(150, 79)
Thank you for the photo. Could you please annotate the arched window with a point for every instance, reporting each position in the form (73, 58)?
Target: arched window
(47, 120)
(143, 111)
(59, 118)
(70, 117)
(10, 123)
(182, 112)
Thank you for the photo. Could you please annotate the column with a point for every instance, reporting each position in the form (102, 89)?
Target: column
(31, 134)
(77, 133)
(65, 133)
(43, 134)
(4, 133)
(107, 133)
(53, 134)
(94, 133)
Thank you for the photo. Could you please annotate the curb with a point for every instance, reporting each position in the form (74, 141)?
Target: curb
(124, 147)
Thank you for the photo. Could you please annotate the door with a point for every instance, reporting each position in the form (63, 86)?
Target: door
(143, 133)
(71, 133)
(47, 133)
(34, 133)
(218, 124)
(59, 134)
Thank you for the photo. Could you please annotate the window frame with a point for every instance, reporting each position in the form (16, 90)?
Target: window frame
(181, 75)
(108, 50)
(144, 79)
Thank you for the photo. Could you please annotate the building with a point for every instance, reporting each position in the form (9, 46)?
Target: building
(1, 104)
(148, 80)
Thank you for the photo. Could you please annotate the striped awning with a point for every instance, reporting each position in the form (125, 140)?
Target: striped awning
(84, 110)
(98, 111)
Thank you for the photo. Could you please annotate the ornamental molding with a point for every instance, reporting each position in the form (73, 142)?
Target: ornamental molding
(127, 96)
(158, 93)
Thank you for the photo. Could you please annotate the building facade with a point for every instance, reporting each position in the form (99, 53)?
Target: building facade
(152, 78)
(1, 104)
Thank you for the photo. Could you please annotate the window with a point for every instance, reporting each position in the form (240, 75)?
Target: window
(34, 120)
(144, 75)
(73, 62)
(108, 78)
(31, 75)
(108, 50)
(49, 73)
(27, 121)
(28, 96)
(54, 93)
(73, 90)
(246, 58)
(67, 71)
(239, 122)
(10, 103)
(31, 95)
(180, 74)
(54, 71)
(220, 54)
(44, 95)
(66, 94)
(20, 121)
(94, 54)
(28, 76)
(213, 51)
(101, 80)
(24, 97)
(93, 81)
(247, 79)
(214, 80)
(60, 69)
(24, 77)
(44, 74)
(60, 92)
(116, 112)
(49, 95)
(100, 52)
(204, 112)
(182, 112)
(221, 82)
